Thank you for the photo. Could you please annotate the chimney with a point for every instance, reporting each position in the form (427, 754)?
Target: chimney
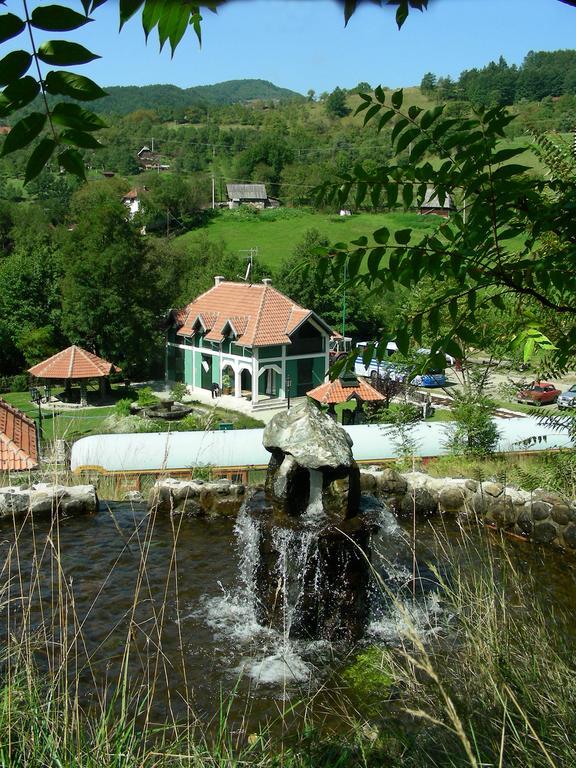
(267, 281)
(219, 279)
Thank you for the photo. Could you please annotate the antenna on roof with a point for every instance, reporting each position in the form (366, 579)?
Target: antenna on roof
(252, 252)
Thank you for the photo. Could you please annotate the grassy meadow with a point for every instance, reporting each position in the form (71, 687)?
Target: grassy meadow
(276, 232)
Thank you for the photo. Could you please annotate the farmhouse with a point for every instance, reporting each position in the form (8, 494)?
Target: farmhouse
(248, 340)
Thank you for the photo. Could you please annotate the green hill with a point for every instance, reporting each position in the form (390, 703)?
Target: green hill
(122, 100)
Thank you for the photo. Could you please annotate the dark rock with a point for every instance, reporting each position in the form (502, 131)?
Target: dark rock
(561, 514)
(541, 510)
(544, 533)
(419, 501)
(569, 536)
(524, 523)
(502, 512)
(452, 499)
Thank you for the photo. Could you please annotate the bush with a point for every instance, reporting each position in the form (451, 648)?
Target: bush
(178, 391)
(18, 383)
(147, 397)
(122, 407)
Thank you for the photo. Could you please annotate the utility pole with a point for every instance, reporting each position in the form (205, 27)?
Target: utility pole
(213, 179)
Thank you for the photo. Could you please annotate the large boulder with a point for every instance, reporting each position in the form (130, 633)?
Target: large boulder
(311, 468)
(312, 438)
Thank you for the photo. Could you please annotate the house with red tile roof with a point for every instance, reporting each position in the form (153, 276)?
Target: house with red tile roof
(250, 339)
(18, 443)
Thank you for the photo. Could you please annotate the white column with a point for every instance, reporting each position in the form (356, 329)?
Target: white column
(237, 381)
(282, 393)
(255, 377)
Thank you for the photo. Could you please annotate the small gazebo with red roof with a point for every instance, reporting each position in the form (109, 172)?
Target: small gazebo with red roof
(74, 364)
(345, 388)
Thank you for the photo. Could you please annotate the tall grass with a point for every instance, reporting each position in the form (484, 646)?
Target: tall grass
(497, 688)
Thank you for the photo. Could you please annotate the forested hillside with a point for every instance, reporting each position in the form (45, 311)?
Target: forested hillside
(173, 102)
(67, 247)
(542, 74)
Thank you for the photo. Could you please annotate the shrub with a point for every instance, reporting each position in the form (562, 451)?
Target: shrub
(178, 391)
(122, 407)
(147, 397)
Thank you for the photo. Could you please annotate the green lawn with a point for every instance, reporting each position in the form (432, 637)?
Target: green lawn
(67, 424)
(276, 233)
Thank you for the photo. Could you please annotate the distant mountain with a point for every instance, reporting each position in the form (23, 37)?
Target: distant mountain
(124, 99)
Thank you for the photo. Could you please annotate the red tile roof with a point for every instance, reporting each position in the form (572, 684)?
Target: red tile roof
(18, 449)
(73, 363)
(336, 392)
(261, 315)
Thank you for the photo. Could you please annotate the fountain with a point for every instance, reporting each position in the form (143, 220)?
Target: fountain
(309, 532)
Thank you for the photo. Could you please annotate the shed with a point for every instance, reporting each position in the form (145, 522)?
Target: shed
(431, 204)
(247, 194)
(344, 389)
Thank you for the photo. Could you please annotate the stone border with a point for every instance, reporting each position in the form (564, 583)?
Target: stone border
(544, 517)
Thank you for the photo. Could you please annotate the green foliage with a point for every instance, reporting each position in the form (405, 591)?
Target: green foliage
(474, 261)
(473, 432)
(178, 391)
(122, 407)
(147, 397)
(370, 679)
(336, 104)
(401, 417)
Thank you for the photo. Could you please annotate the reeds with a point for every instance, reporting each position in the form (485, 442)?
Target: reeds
(496, 688)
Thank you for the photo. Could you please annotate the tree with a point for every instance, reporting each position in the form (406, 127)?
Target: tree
(511, 239)
(428, 84)
(336, 103)
(109, 301)
(326, 297)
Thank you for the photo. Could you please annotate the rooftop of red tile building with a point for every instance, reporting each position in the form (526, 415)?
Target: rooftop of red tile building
(258, 314)
(18, 448)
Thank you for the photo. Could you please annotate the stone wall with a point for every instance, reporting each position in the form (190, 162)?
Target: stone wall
(196, 498)
(48, 499)
(541, 516)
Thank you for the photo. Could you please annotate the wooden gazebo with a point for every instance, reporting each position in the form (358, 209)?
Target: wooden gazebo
(74, 364)
(345, 388)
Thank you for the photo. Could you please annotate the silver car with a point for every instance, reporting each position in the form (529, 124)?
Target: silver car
(567, 399)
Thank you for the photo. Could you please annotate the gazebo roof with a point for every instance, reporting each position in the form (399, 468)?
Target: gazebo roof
(73, 363)
(343, 389)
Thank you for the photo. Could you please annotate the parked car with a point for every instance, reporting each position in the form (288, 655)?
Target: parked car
(568, 399)
(539, 393)
(431, 378)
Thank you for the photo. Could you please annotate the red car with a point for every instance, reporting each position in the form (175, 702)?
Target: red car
(539, 393)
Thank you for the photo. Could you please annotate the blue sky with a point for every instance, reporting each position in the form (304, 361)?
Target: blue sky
(303, 44)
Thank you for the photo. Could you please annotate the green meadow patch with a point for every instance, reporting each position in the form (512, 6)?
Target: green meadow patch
(276, 232)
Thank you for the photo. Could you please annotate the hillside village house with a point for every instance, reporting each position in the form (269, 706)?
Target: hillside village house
(249, 194)
(431, 205)
(249, 339)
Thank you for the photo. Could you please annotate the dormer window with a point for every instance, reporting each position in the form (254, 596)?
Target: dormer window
(229, 331)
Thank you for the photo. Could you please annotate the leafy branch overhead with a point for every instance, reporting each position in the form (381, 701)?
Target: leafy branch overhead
(511, 238)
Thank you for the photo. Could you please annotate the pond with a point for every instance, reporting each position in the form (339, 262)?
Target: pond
(170, 597)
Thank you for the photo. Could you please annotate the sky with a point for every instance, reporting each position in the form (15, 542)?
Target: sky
(303, 44)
